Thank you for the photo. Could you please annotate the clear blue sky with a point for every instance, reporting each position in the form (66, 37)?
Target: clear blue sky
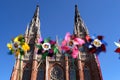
(57, 17)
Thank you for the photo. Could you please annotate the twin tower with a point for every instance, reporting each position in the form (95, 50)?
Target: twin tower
(85, 67)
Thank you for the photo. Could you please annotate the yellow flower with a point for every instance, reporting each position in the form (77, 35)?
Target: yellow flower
(25, 47)
(9, 45)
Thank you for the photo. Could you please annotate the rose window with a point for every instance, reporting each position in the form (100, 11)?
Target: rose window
(56, 73)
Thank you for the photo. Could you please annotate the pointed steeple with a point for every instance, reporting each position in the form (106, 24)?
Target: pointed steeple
(34, 27)
(79, 27)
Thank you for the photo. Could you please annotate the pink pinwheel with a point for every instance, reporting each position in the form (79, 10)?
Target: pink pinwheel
(70, 44)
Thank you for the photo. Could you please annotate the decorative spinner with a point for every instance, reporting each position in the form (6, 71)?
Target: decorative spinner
(47, 47)
(96, 44)
(70, 44)
(117, 50)
(18, 46)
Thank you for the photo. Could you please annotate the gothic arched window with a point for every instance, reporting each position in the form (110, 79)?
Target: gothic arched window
(87, 73)
(41, 73)
(72, 72)
(26, 72)
(56, 73)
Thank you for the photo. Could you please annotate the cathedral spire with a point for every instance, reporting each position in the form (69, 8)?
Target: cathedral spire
(79, 26)
(34, 27)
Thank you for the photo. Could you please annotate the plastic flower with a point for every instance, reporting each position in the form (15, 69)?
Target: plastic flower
(96, 44)
(71, 43)
(47, 47)
(18, 46)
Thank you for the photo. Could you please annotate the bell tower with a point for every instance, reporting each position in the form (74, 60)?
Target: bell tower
(88, 67)
(60, 67)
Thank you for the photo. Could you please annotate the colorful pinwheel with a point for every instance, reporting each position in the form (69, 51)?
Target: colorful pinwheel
(118, 48)
(70, 44)
(96, 44)
(47, 47)
(18, 46)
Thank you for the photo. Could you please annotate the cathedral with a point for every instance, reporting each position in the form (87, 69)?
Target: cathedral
(85, 67)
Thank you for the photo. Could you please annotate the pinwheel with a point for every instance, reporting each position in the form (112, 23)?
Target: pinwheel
(47, 47)
(96, 44)
(70, 44)
(19, 47)
(117, 50)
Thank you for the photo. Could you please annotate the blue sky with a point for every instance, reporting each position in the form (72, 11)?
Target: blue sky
(102, 17)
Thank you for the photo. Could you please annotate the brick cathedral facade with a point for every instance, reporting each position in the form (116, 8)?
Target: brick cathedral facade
(61, 67)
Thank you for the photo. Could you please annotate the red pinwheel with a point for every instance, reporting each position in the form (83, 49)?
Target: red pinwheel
(117, 50)
(70, 44)
(118, 45)
(96, 44)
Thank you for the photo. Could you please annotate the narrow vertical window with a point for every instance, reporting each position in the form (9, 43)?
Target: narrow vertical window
(87, 73)
(26, 73)
(72, 72)
(41, 73)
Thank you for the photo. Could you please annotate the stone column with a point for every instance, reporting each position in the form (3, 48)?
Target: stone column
(46, 69)
(34, 68)
(80, 70)
(14, 75)
(66, 68)
(80, 66)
